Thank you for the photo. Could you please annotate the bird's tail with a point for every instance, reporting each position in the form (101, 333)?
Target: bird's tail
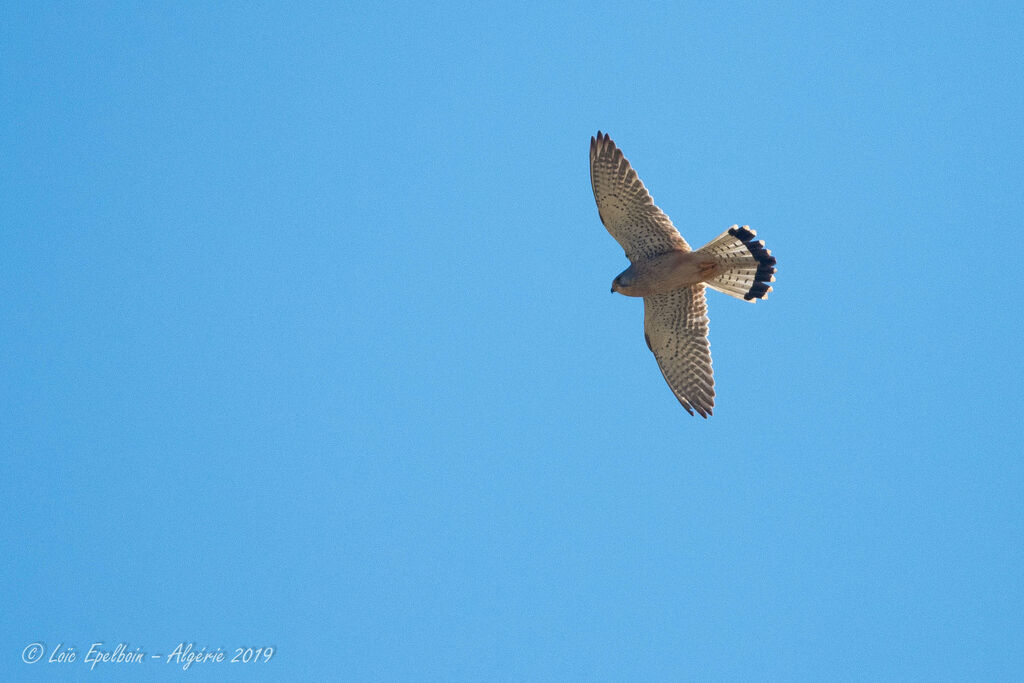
(745, 266)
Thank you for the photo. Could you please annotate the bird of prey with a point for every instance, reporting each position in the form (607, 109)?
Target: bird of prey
(671, 277)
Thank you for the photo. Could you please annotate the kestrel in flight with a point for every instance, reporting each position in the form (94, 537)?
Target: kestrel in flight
(671, 277)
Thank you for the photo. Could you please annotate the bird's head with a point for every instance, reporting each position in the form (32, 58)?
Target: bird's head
(623, 280)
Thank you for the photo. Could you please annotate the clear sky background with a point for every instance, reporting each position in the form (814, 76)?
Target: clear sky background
(307, 341)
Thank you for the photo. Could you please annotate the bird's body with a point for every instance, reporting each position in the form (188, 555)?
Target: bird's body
(664, 273)
(671, 277)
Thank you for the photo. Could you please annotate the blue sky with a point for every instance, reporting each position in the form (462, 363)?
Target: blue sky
(307, 341)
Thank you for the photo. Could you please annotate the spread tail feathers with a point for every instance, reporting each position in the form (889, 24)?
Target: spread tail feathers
(745, 267)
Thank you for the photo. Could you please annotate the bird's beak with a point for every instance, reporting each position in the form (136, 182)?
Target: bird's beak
(613, 289)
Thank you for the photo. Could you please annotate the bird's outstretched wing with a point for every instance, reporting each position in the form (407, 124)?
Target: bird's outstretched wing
(626, 207)
(676, 329)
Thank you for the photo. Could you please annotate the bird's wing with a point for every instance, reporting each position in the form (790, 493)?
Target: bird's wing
(626, 208)
(676, 329)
